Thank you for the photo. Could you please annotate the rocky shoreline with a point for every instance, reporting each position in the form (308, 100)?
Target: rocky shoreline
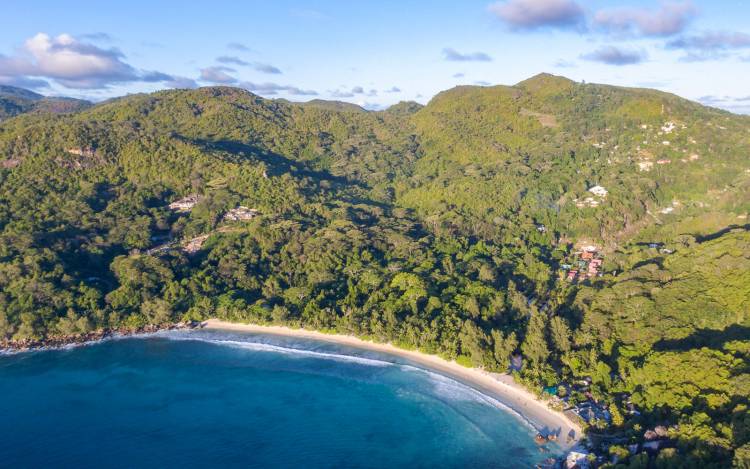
(53, 342)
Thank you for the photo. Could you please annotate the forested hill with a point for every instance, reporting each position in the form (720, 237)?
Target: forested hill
(15, 101)
(456, 227)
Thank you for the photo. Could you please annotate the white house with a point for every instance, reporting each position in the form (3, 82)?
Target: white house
(645, 165)
(185, 204)
(668, 127)
(599, 191)
(240, 213)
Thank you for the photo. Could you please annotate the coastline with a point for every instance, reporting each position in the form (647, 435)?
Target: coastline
(496, 385)
(59, 342)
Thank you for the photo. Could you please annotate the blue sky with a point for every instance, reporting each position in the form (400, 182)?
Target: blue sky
(375, 53)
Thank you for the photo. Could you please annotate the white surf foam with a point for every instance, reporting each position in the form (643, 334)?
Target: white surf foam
(444, 387)
(263, 347)
(453, 389)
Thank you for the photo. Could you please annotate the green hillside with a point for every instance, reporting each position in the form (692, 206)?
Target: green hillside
(450, 227)
(508, 156)
(15, 101)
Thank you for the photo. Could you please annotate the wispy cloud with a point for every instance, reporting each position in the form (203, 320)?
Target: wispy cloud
(227, 59)
(612, 55)
(562, 63)
(266, 68)
(181, 83)
(72, 63)
(710, 45)
(713, 99)
(393, 89)
(537, 14)
(372, 106)
(458, 75)
(338, 94)
(455, 56)
(259, 66)
(220, 75)
(671, 18)
(354, 91)
(24, 82)
(239, 46)
(98, 36)
(270, 89)
(735, 104)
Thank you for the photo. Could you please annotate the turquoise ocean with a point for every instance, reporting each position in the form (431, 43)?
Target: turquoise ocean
(225, 399)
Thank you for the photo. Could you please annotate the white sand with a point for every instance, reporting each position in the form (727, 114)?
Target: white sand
(500, 386)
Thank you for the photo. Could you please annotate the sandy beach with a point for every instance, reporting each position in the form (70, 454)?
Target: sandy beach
(499, 386)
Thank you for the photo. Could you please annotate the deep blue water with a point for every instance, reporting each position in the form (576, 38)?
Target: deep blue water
(206, 398)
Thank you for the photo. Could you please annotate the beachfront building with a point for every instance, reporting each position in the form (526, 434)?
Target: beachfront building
(516, 362)
(577, 459)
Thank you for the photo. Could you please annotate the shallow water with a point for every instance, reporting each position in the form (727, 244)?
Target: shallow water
(208, 398)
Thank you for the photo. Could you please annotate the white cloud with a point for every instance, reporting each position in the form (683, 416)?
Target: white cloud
(230, 59)
(181, 83)
(356, 90)
(536, 14)
(72, 63)
(275, 88)
(739, 105)
(341, 94)
(455, 56)
(710, 45)
(24, 82)
(612, 55)
(562, 63)
(239, 46)
(670, 19)
(218, 75)
(266, 68)
(259, 66)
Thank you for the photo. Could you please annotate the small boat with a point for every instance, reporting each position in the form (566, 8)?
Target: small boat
(540, 439)
(552, 437)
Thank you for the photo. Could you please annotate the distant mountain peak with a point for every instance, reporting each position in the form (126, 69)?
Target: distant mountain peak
(23, 93)
(15, 101)
(333, 105)
(404, 108)
(545, 81)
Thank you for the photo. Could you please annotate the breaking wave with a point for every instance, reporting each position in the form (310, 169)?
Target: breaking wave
(444, 387)
(263, 347)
